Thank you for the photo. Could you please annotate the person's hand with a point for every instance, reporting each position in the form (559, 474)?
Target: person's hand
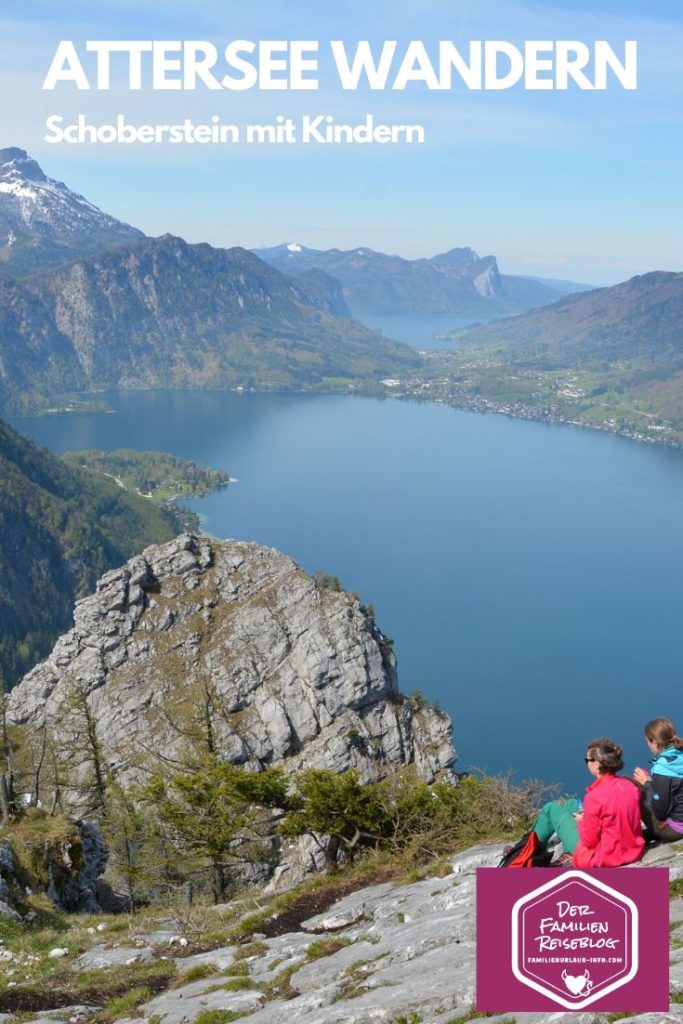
(640, 776)
(578, 815)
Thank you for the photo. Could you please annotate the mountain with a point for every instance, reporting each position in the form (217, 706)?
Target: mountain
(324, 292)
(291, 670)
(639, 319)
(610, 359)
(162, 313)
(44, 224)
(458, 281)
(60, 528)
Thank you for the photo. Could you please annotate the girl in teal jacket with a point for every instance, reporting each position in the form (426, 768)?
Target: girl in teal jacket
(662, 803)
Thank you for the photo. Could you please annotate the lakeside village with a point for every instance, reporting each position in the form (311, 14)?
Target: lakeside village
(525, 393)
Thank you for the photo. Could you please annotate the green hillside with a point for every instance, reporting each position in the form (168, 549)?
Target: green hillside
(611, 359)
(60, 529)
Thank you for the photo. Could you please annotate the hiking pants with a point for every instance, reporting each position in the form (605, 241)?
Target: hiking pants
(559, 817)
(657, 830)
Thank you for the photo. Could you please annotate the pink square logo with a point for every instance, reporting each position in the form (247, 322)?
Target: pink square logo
(573, 939)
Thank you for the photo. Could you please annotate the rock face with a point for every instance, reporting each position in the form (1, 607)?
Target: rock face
(293, 673)
(73, 865)
(78, 891)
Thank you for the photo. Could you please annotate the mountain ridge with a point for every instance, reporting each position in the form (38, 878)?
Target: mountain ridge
(640, 316)
(164, 313)
(458, 281)
(610, 359)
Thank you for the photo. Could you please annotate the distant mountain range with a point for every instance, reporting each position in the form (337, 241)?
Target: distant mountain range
(458, 282)
(43, 223)
(90, 303)
(87, 302)
(61, 528)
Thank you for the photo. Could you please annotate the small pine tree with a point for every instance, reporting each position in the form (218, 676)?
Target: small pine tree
(217, 815)
(79, 764)
(338, 811)
(140, 862)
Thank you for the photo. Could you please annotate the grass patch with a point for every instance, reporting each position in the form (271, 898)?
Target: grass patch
(256, 948)
(353, 980)
(124, 1006)
(95, 987)
(281, 986)
(218, 1016)
(236, 970)
(196, 973)
(439, 868)
(326, 947)
(238, 984)
(475, 1014)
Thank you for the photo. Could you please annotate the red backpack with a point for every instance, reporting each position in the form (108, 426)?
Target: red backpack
(528, 852)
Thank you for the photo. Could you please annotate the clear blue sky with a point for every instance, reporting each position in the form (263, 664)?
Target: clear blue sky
(581, 185)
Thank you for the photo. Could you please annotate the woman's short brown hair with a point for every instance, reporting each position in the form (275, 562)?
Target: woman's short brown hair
(608, 754)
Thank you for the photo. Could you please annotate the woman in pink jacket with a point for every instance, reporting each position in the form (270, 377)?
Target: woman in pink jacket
(606, 832)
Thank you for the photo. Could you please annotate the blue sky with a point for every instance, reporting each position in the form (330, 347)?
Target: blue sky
(581, 185)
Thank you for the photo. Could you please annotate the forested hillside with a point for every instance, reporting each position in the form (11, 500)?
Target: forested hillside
(60, 528)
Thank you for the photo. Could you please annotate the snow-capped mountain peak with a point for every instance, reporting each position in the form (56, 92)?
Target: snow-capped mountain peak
(44, 223)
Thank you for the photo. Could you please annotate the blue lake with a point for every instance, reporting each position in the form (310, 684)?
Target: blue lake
(419, 331)
(531, 575)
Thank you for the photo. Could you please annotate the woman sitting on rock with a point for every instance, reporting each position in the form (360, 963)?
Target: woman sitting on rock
(662, 803)
(606, 832)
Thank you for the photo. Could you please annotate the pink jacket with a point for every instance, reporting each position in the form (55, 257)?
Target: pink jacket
(610, 832)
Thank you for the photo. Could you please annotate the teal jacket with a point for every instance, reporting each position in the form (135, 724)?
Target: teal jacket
(667, 785)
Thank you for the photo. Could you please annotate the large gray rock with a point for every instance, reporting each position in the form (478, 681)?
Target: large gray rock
(301, 675)
(105, 957)
(78, 892)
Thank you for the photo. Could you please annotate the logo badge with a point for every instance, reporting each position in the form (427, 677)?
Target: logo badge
(574, 940)
(567, 940)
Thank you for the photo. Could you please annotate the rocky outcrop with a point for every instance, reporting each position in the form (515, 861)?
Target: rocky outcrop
(67, 864)
(288, 671)
(75, 886)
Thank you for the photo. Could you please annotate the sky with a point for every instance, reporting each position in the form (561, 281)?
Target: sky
(578, 185)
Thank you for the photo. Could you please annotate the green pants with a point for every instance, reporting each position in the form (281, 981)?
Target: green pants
(559, 817)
